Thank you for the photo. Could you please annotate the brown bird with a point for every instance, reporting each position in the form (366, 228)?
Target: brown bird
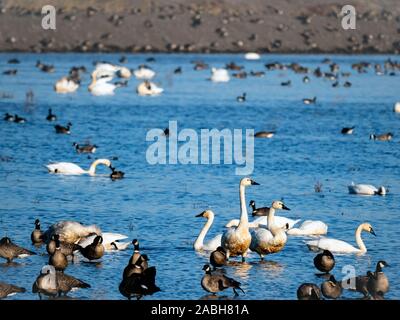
(63, 130)
(9, 290)
(58, 259)
(324, 261)
(95, 250)
(37, 234)
(218, 257)
(10, 251)
(67, 248)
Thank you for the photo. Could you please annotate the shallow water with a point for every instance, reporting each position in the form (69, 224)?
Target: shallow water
(157, 204)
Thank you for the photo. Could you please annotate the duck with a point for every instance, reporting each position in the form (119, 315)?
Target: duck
(340, 246)
(143, 72)
(309, 228)
(37, 234)
(51, 116)
(136, 265)
(366, 189)
(310, 101)
(308, 291)
(236, 240)
(66, 248)
(218, 258)
(7, 290)
(212, 244)
(396, 107)
(111, 241)
(347, 84)
(18, 119)
(264, 134)
(378, 282)
(71, 231)
(95, 250)
(217, 282)
(324, 261)
(178, 70)
(13, 61)
(219, 75)
(331, 288)
(101, 86)
(241, 98)
(63, 130)
(9, 117)
(272, 240)
(69, 168)
(58, 259)
(148, 88)
(132, 267)
(382, 137)
(86, 148)
(258, 74)
(115, 174)
(348, 130)
(9, 250)
(66, 85)
(252, 56)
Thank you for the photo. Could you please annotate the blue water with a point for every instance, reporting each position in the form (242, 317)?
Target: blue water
(157, 204)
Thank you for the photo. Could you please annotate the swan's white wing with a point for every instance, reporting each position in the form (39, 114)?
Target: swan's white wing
(108, 238)
(332, 245)
(260, 236)
(279, 221)
(65, 168)
(310, 227)
(220, 75)
(365, 189)
(144, 73)
(103, 88)
(213, 244)
(235, 223)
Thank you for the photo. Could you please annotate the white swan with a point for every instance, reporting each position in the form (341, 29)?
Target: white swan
(309, 228)
(66, 85)
(70, 168)
(111, 241)
(340, 246)
(366, 189)
(252, 56)
(148, 88)
(144, 73)
(101, 87)
(110, 70)
(396, 107)
(236, 240)
(71, 231)
(215, 242)
(219, 75)
(267, 241)
(263, 222)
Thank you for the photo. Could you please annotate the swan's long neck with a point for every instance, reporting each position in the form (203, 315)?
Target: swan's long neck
(244, 219)
(198, 244)
(94, 80)
(92, 169)
(359, 241)
(271, 219)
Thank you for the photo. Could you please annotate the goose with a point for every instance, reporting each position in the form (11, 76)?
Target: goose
(264, 134)
(258, 74)
(358, 284)
(272, 240)
(378, 283)
(67, 248)
(46, 282)
(45, 67)
(111, 241)
(217, 282)
(396, 107)
(308, 291)
(324, 261)
(9, 250)
(340, 246)
(178, 70)
(382, 137)
(109, 70)
(131, 267)
(286, 83)
(19, 119)
(86, 148)
(236, 240)
(63, 130)
(67, 283)
(11, 72)
(136, 266)
(241, 98)
(66, 85)
(101, 87)
(144, 73)
(347, 130)
(37, 234)
(214, 242)
(252, 56)
(366, 189)
(331, 288)
(9, 117)
(115, 174)
(263, 211)
(51, 116)
(148, 88)
(306, 79)
(69, 168)
(95, 250)
(218, 257)
(347, 84)
(233, 66)
(310, 101)
(71, 231)
(219, 75)
(13, 61)
(335, 84)
(7, 290)
(58, 259)
(309, 228)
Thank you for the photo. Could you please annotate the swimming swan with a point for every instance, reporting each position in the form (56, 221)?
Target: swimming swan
(71, 231)
(236, 240)
(101, 87)
(272, 240)
(215, 242)
(219, 75)
(66, 85)
(111, 241)
(309, 228)
(263, 222)
(144, 73)
(340, 246)
(70, 168)
(110, 70)
(148, 88)
(366, 189)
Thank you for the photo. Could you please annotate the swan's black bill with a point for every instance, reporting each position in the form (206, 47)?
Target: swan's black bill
(200, 214)
(372, 232)
(254, 183)
(285, 208)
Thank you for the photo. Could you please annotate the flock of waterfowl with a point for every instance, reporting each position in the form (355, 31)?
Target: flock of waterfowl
(267, 234)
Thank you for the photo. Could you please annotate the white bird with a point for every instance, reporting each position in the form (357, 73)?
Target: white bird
(272, 240)
(366, 189)
(70, 168)
(219, 75)
(144, 73)
(263, 222)
(212, 244)
(148, 88)
(111, 241)
(66, 85)
(236, 240)
(71, 231)
(110, 70)
(252, 56)
(396, 107)
(309, 228)
(340, 246)
(101, 87)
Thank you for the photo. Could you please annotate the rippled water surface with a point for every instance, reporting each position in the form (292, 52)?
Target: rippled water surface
(157, 203)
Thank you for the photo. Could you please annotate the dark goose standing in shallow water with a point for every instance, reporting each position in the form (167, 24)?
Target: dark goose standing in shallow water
(10, 251)
(331, 288)
(58, 259)
(217, 282)
(95, 250)
(308, 291)
(7, 290)
(218, 258)
(324, 261)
